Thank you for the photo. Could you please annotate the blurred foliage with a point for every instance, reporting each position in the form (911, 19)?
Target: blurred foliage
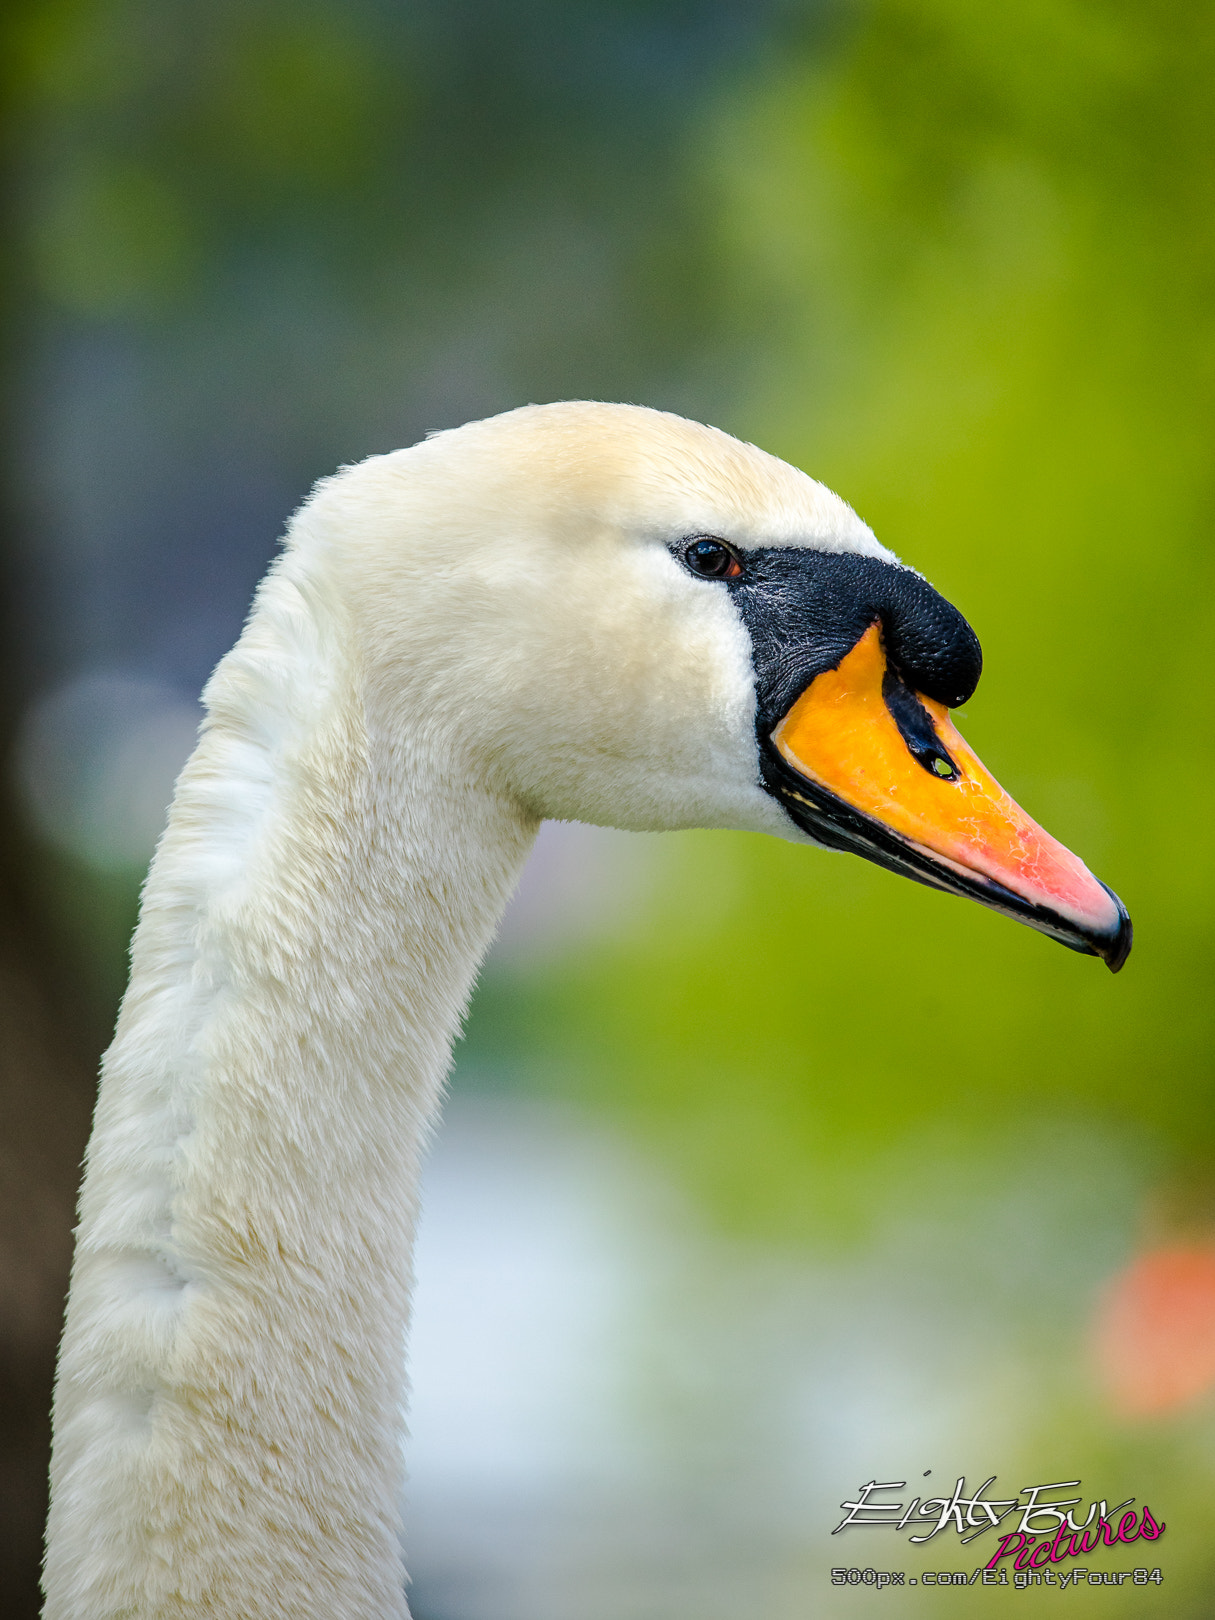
(975, 252)
(381, 150)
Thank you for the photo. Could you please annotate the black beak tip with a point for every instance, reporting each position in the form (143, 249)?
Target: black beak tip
(1116, 947)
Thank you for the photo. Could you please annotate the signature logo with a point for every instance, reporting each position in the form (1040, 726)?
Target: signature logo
(1044, 1528)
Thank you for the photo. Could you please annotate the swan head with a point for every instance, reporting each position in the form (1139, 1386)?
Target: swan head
(622, 617)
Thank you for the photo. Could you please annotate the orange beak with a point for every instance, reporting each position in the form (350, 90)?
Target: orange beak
(891, 777)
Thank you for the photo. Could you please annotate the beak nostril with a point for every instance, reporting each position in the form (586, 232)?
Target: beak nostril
(916, 728)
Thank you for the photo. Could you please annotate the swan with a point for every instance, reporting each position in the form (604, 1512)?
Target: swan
(579, 611)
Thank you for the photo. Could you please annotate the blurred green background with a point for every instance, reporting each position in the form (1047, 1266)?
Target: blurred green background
(959, 263)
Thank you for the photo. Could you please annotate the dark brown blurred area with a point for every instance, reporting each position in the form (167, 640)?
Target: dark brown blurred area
(46, 1091)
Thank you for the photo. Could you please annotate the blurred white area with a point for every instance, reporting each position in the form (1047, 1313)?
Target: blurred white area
(616, 1412)
(96, 761)
(547, 1459)
(580, 883)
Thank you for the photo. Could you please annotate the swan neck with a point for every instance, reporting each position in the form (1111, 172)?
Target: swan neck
(228, 1421)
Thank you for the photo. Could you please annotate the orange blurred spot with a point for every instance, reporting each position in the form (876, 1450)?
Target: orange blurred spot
(1155, 1331)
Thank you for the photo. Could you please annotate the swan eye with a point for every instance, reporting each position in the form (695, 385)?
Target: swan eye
(712, 559)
